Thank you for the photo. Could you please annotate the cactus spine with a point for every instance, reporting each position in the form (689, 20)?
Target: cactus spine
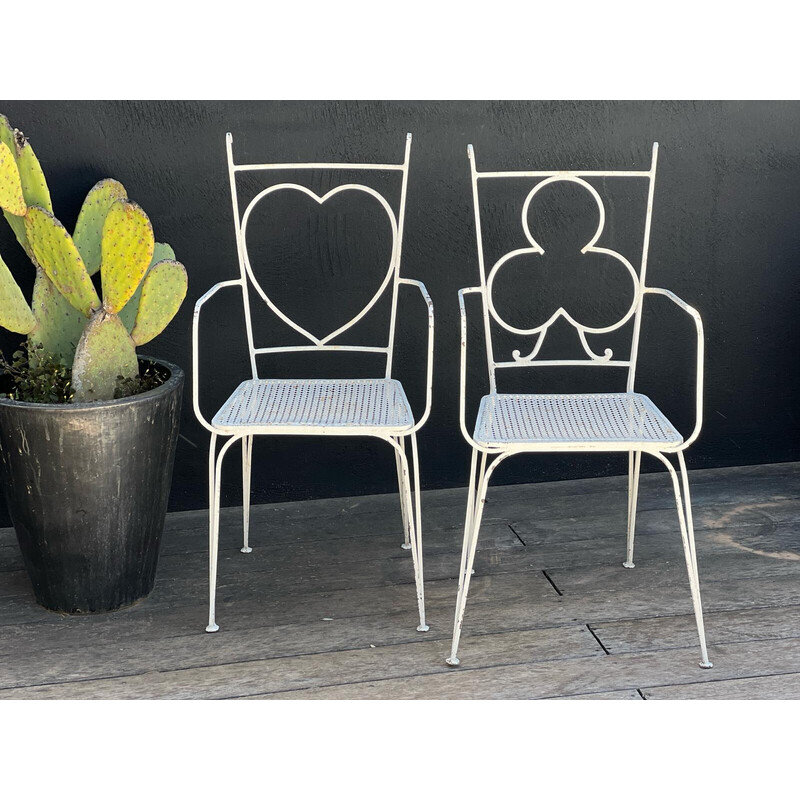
(142, 284)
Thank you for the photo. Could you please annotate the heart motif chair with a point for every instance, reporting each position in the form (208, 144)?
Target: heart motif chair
(511, 424)
(375, 407)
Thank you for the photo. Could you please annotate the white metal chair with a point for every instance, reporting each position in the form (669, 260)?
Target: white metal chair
(334, 407)
(508, 424)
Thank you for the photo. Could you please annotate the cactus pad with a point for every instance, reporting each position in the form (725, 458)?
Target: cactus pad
(11, 198)
(14, 312)
(89, 227)
(163, 291)
(34, 186)
(57, 255)
(127, 249)
(58, 325)
(161, 252)
(104, 353)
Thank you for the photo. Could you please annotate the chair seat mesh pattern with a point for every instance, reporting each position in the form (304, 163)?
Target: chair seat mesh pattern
(572, 419)
(313, 403)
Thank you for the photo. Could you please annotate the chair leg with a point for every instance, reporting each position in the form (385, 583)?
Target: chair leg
(213, 535)
(684, 505)
(693, 572)
(214, 480)
(475, 502)
(634, 463)
(247, 460)
(416, 552)
(402, 491)
(414, 540)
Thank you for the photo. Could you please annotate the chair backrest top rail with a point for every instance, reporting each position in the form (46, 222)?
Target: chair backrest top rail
(320, 165)
(315, 348)
(317, 165)
(566, 173)
(567, 362)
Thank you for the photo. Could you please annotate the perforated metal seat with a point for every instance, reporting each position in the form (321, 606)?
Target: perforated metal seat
(304, 406)
(610, 421)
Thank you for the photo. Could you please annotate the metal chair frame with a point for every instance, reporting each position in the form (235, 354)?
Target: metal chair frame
(635, 446)
(356, 423)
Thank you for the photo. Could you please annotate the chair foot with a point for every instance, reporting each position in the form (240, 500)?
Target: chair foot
(212, 628)
(423, 628)
(247, 549)
(452, 661)
(628, 564)
(406, 545)
(706, 665)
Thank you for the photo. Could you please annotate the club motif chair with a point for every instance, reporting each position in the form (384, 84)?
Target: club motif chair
(375, 407)
(508, 424)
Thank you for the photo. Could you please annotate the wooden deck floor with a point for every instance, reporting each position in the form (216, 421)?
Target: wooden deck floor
(324, 607)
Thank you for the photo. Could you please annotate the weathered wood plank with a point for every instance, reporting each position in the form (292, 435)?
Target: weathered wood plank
(239, 671)
(771, 687)
(622, 694)
(650, 572)
(757, 624)
(361, 618)
(563, 678)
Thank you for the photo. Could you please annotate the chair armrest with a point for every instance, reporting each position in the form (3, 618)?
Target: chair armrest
(694, 314)
(429, 389)
(463, 375)
(195, 339)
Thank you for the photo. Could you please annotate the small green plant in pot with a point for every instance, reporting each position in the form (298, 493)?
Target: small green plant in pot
(87, 430)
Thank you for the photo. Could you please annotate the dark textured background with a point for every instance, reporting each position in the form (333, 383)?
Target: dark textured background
(725, 238)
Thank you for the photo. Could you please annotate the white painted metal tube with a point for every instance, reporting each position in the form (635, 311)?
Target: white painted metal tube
(247, 462)
(687, 535)
(429, 369)
(575, 362)
(405, 513)
(416, 552)
(637, 323)
(700, 368)
(480, 502)
(213, 523)
(565, 173)
(401, 219)
(317, 165)
(195, 351)
(423, 627)
(316, 348)
(240, 252)
(634, 468)
(462, 418)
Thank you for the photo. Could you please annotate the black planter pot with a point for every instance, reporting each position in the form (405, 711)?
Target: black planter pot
(87, 486)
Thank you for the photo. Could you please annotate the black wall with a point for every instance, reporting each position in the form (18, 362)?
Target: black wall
(725, 238)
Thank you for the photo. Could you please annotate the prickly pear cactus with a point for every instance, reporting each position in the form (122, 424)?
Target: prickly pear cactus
(58, 325)
(106, 350)
(142, 283)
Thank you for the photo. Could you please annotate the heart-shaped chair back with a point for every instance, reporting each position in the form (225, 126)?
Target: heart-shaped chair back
(385, 279)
